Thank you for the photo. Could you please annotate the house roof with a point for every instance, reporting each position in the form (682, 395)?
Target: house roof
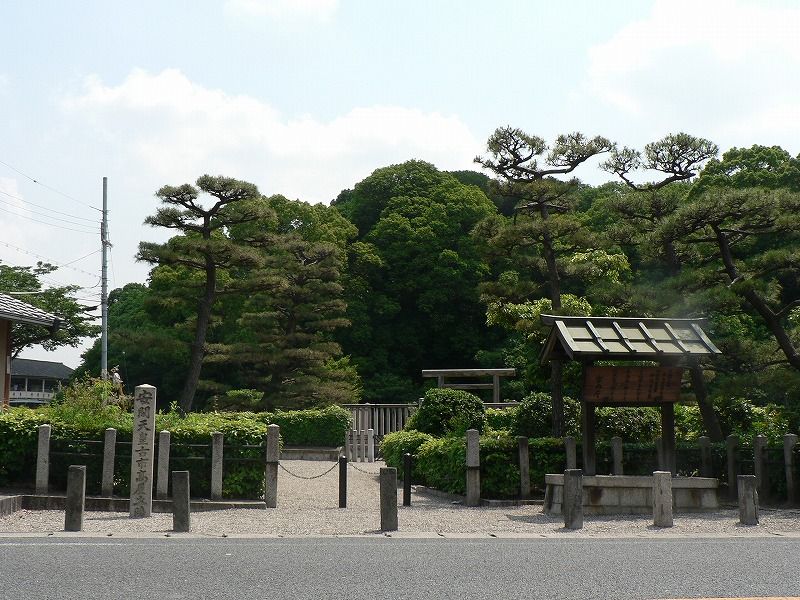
(18, 311)
(627, 338)
(45, 369)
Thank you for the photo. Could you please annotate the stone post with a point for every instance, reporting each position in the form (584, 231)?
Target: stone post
(43, 460)
(370, 445)
(162, 481)
(705, 456)
(273, 460)
(662, 498)
(388, 486)
(572, 504)
(760, 465)
(616, 453)
(76, 497)
(524, 467)
(143, 444)
(181, 507)
(731, 448)
(571, 452)
(748, 500)
(216, 465)
(789, 442)
(473, 468)
(109, 456)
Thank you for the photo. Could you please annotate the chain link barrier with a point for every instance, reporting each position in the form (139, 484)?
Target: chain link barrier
(352, 464)
(333, 466)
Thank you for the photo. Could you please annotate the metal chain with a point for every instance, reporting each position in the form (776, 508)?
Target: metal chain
(336, 464)
(352, 464)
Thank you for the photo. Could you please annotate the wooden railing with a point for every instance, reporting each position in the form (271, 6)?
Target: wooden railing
(381, 418)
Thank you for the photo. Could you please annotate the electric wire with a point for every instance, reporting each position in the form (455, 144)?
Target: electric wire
(52, 189)
(49, 260)
(46, 223)
(41, 214)
(46, 207)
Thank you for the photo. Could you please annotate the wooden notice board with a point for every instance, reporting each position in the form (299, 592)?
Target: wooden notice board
(632, 385)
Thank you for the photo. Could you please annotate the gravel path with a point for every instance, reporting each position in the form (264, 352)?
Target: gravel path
(310, 508)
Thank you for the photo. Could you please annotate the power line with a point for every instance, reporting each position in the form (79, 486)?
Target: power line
(49, 260)
(44, 185)
(45, 222)
(46, 207)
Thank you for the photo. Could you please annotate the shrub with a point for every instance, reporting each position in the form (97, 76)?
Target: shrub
(395, 445)
(501, 419)
(314, 427)
(631, 423)
(445, 411)
(535, 414)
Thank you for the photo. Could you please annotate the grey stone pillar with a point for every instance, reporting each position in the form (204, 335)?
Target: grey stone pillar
(570, 452)
(760, 465)
(43, 460)
(616, 453)
(162, 480)
(572, 505)
(731, 449)
(181, 507)
(662, 499)
(704, 442)
(473, 468)
(748, 500)
(109, 456)
(273, 460)
(143, 443)
(789, 442)
(388, 484)
(76, 497)
(216, 465)
(524, 467)
(370, 445)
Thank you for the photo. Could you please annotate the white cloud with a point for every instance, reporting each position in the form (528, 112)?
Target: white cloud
(718, 67)
(319, 10)
(177, 129)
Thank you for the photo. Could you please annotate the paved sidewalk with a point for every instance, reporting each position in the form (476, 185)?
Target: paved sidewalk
(309, 507)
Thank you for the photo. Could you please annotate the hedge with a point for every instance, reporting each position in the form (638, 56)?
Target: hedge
(77, 437)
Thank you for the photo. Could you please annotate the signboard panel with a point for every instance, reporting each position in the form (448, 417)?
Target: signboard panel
(632, 385)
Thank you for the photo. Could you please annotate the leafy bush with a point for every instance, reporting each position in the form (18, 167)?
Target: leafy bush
(501, 419)
(535, 416)
(395, 445)
(446, 411)
(314, 427)
(632, 424)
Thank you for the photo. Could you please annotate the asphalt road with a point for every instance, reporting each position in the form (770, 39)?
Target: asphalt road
(356, 568)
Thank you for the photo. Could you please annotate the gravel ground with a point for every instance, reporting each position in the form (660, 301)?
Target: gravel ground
(309, 507)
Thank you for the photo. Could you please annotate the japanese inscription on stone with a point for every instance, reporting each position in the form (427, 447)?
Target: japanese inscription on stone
(143, 442)
(632, 385)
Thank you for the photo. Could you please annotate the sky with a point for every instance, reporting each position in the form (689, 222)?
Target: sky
(306, 98)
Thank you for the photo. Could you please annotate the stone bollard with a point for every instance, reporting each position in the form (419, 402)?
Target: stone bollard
(524, 467)
(760, 465)
(662, 498)
(217, 440)
(162, 480)
(731, 447)
(407, 466)
(43, 460)
(571, 452)
(370, 445)
(76, 498)
(181, 507)
(388, 485)
(342, 482)
(616, 454)
(705, 456)
(473, 468)
(789, 442)
(748, 500)
(273, 460)
(109, 456)
(572, 504)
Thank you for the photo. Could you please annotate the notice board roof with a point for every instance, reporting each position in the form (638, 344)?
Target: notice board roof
(624, 338)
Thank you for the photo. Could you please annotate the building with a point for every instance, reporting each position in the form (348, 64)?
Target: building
(35, 381)
(16, 311)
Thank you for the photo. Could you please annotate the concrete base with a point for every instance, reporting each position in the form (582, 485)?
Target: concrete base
(630, 494)
(326, 454)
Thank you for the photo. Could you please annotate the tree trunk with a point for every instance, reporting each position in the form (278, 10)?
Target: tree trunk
(198, 346)
(710, 420)
(556, 379)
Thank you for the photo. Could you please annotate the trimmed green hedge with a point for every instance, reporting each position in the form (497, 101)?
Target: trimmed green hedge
(395, 445)
(444, 411)
(77, 437)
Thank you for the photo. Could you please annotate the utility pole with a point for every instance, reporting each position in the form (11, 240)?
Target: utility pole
(104, 285)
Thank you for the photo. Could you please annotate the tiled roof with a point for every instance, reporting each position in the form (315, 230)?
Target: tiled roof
(45, 369)
(18, 311)
(613, 338)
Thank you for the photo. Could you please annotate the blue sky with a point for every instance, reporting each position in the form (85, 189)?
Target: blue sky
(307, 97)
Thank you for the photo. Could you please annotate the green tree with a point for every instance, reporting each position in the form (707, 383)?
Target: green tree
(204, 247)
(25, 284)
